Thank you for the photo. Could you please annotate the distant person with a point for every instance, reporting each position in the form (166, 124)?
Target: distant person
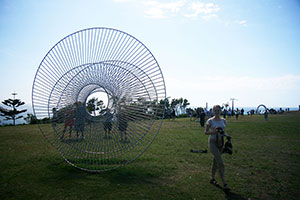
(242, 112)
(191, 115)
(211, 113)
(237, 112)
(266, 115)
(232, 112)
(79, 119)
(224, 113)
(198, 112)
(123, 124)
(69, 121)
(214, 127)
(107, 123)
(54, 117)
(202, 118)
(171, 114)
(229, 113)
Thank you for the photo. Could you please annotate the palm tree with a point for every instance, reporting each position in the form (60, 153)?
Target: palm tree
(94, 104)
(91, 105)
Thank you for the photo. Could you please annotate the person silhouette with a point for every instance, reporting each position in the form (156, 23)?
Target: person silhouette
(215, 128)
(79, 119)
(202, 118)
(69, 121)
(123, 124)
(107, 122)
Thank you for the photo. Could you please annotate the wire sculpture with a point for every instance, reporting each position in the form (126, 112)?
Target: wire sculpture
(258, 111)
(101, 134)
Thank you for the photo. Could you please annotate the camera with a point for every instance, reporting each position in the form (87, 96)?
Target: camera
(228, 146)
(222, 133)
(220, 130)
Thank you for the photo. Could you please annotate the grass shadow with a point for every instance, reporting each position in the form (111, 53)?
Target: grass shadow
(230, 195)
(234, 196)
(129, 174)
(132, 175)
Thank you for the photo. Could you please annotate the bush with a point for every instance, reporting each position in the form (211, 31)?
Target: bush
(183, 116)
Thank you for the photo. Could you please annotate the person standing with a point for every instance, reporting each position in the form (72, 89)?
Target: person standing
(237, 112)
(202, 118)
(215, 128)
(69, 121)
(266, 115)
(224, 113)
(123, 124)
(79, 119)
(242, 112)
(107, 123)
(54, 117)
(229, 112)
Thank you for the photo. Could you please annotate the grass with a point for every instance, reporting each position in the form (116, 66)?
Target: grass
(265, 164)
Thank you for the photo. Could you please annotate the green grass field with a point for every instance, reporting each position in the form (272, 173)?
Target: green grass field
(265, 164)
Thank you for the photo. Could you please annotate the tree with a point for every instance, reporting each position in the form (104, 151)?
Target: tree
(162, 107)
(179, 104)
(174, 102)
(226, 105)
(164, 103)
(174, 106)
(190, 111)
(100, 106)
(185, 103)
(31, 119)
(93, 104)
(12, 112)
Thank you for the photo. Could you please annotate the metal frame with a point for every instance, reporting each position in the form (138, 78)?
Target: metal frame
(114, 62)
(261, 105)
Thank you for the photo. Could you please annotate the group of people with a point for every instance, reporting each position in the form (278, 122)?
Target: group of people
(75, 117)
(204, 114)
(237, 112)
(199, 113)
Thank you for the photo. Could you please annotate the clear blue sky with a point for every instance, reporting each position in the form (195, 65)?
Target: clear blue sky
(209, 51)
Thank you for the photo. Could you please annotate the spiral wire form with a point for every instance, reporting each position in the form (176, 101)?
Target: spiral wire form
(112, 63)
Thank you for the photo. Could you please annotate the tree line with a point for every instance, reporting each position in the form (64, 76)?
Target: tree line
(94, 106)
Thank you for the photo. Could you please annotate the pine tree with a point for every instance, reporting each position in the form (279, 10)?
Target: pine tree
(12, 112)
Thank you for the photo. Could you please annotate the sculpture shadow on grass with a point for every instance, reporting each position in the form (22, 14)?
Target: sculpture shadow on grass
(126, 175)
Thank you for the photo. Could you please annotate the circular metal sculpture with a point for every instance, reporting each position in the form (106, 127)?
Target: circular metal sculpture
(103, 133)
(258, 111)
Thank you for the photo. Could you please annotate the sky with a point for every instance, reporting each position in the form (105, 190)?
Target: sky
(208, 51)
